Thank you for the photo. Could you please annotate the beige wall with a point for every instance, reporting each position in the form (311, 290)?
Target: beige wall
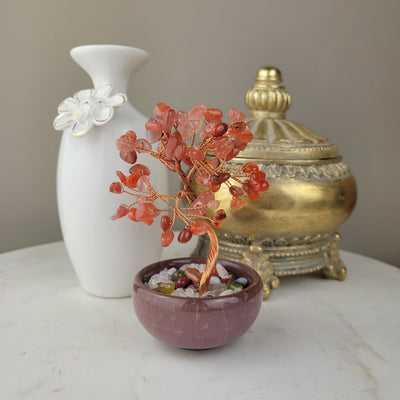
(340, 61)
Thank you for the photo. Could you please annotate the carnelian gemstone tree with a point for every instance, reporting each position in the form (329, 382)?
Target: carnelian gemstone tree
(196, 146)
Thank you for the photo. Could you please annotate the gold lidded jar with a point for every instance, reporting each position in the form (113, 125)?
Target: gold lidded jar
(291, 229)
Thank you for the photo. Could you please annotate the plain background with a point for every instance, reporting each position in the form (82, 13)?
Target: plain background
(339, 58)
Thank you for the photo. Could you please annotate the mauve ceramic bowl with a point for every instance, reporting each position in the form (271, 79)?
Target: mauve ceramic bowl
(197, 323)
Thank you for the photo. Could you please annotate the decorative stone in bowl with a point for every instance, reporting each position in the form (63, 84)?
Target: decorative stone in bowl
(197, 323)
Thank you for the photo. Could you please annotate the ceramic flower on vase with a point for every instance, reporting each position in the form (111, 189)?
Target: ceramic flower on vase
(88, 108)
(195, 146)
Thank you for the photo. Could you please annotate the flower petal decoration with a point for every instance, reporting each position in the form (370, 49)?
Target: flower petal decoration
(84, 95)
(81, 127)
(103, 115)
(88, 108)
(67, 106)
(63, 121)
(117, 100)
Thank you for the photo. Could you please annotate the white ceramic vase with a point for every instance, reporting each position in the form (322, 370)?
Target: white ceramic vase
(105, 254)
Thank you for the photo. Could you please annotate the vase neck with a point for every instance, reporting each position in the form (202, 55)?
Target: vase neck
(109, 64)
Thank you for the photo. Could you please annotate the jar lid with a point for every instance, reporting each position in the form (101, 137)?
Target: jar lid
(275, 138)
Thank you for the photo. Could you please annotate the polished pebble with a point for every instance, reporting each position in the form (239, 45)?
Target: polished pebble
(242, 280)
(166, 288)
(234, 285)
(227, 292)
(182, 282)
(177, 274)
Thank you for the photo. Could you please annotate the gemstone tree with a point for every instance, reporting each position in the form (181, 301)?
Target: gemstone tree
(195, 146)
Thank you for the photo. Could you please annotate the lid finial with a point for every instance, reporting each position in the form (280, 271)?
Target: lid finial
(268, 99)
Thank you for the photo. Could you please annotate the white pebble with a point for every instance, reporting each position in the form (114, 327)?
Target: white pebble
(171, 271)
(152, 283)
(191, 293)
(214, 280)
(226, 292)
(210, 293)
(180, 292)
(222, 272)
(164, 274)
(242, 280)
(162, 277)
(201, 267)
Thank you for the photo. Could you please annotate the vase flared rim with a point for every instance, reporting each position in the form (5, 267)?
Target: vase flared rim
(107, 47)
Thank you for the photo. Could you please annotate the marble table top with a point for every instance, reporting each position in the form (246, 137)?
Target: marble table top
(314, 339)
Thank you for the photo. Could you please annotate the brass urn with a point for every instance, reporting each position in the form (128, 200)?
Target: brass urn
(291, 229)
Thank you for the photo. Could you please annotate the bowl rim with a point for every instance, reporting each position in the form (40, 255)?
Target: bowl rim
(256, 279)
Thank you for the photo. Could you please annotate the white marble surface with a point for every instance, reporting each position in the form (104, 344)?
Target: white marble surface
(314, 339)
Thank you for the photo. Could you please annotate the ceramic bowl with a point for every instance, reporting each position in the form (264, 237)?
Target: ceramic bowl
(197, 323)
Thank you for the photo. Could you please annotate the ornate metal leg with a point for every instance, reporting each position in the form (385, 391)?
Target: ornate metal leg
(260, 262)
(336, 269)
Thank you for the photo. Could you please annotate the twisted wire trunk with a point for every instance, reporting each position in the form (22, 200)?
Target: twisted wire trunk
(211, 258)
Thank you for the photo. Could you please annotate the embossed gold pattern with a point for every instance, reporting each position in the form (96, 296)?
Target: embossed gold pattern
(291, 230)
